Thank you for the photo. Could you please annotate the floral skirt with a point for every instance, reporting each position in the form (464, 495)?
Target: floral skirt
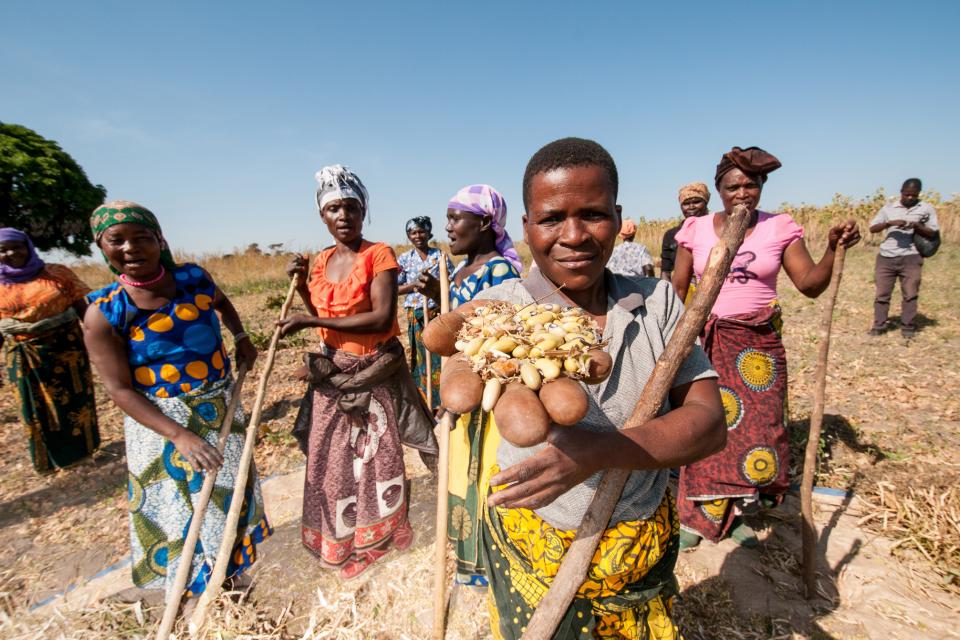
(418, 357)
(50, 375)
(748, 354)
(163, 486)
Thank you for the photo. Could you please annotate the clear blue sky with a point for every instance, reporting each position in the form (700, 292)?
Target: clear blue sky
(217, 115)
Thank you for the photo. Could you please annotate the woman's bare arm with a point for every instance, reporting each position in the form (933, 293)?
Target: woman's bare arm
(810, 278)
(108, 354)
(692, 431)
(682, 272)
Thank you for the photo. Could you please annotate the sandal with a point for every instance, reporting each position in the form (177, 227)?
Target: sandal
(470, 580)
(403, 537)
(688, 540)
(358, 565)
(744, 535)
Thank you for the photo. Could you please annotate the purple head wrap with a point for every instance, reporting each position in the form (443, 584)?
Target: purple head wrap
(33, 266)
(484, 200)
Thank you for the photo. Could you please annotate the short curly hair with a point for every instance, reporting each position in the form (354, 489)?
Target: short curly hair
(912, 182)
(569, 152)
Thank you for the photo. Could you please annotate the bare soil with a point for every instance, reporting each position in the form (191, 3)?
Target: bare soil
(893, 424)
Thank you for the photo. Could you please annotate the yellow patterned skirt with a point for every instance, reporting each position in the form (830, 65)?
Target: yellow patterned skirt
(628, 590)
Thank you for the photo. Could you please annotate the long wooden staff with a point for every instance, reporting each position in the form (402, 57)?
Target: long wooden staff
(577, 560)
(219, 572)
(175, 594)
(816, 423)
(443, 476)
(426, 355)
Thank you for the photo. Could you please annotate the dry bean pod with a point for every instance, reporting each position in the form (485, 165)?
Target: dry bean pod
(564, 400)
(440, 334)
(461, 389)
(520, 417)
(598, 367)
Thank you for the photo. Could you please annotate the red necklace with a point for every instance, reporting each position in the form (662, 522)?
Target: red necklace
(146, 283)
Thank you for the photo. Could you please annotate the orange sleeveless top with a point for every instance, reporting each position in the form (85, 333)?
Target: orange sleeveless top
(351, 296)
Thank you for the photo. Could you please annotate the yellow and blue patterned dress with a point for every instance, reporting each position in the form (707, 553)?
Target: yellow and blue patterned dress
(178, 362)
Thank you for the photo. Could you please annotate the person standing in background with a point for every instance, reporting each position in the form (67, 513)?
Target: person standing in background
(694, 198)
(47, 364)
(898, 257)
(414, 263)
(361, 404)
(742, 340)
(630, 258)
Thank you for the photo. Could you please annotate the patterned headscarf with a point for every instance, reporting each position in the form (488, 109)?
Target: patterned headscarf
(123, 211)
(337, 182)
(694, 190)
(420, 222)
(484, 200)
(30, 269)
(753, 161)
(628, 228)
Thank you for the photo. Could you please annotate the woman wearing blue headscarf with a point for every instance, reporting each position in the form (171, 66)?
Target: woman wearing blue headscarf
(421, 259)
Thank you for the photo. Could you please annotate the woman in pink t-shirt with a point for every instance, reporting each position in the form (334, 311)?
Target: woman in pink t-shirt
(742, 339)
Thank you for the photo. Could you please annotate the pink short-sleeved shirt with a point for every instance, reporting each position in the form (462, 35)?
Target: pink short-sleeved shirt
(752, 283)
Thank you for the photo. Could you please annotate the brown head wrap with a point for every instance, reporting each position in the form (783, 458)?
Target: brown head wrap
(694, 190)
(752, 160)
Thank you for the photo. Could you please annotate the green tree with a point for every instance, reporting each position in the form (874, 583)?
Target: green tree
(44, 192)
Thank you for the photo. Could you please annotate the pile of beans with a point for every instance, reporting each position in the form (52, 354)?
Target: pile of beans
(525, 363)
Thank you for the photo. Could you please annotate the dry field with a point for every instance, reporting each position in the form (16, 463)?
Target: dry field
(891, 438)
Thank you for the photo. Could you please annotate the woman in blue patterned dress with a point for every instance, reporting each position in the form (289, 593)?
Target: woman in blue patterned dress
(476, 227)
(414, 263)
(154, 337)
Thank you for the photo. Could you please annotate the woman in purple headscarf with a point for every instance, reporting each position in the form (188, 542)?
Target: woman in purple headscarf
(46, 361)
(476, 227)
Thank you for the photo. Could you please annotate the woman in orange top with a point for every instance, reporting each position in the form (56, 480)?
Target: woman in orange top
(361, 403)
(46, 360)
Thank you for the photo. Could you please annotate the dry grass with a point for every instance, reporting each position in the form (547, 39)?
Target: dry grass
(921, 519)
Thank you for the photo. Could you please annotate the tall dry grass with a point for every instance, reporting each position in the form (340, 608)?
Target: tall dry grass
(816, 221)
(251, 272)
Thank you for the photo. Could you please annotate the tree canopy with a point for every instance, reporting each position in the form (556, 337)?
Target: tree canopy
(44, 192)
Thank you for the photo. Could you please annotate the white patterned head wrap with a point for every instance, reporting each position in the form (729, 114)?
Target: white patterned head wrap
(338, 182)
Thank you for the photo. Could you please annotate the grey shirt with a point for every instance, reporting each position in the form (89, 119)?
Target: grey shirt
(899, 242)
(641, 316)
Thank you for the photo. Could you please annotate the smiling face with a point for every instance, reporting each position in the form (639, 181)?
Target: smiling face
(14, 253)
(465, 231)
(693, 207)
(737, 187)
(344, 219)
(132, 249)
(420, 238)
(571, 225)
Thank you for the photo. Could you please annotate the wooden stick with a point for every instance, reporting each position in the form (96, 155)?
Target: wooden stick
(175, 594)
(426, 355)
(816, 423)
(577, 560)
(219, 573)
(440, 545)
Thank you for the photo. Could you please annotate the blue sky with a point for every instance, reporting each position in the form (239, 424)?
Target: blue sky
(217, 115)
